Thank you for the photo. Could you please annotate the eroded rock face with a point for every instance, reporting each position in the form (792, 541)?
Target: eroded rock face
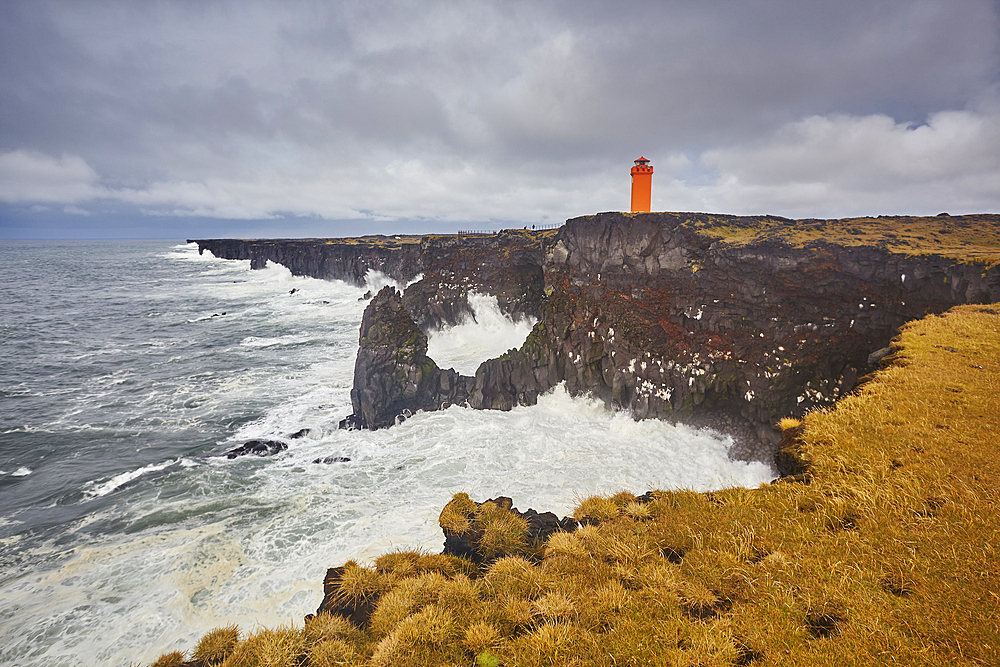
(507, 265)
(650, 315)
(393, 376)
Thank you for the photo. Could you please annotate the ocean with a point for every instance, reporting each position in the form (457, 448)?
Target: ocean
(129, 369)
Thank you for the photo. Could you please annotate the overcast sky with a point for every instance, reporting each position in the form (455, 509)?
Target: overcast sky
(197, 118)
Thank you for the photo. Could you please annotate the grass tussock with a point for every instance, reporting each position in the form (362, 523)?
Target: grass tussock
(889, 555)
(597, 510)
(269, 648)
(216, 646)
(359, 582)
(172, 659)
(457, 516)
(503, 531)
(786, 423)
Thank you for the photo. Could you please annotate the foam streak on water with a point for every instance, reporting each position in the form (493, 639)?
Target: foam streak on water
(123, 534)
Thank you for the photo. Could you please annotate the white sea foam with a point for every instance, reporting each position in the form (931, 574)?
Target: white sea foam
(95, 490)
(254, 341)
(303, 517)
(188, 252)
(375, 280)
(23, 471)
(206, 541)
(488, 333)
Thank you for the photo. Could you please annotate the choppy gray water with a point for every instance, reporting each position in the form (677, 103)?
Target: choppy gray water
(129, 366)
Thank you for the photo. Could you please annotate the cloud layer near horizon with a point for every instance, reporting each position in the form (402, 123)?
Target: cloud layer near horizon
(521, 113)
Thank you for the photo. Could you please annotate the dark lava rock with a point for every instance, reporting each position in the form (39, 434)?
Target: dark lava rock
(393, 375)
(350, 423)
(332, 459)
(879, 355)
(540, 526)
(301, 433)
(645, 312)
(257, 448)
(463, 545)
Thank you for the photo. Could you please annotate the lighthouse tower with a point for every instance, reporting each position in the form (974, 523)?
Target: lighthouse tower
(642, 185)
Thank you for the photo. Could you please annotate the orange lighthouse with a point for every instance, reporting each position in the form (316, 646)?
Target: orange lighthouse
(642, 185)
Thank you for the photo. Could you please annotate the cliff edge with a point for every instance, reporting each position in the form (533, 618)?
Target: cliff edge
(727, 321)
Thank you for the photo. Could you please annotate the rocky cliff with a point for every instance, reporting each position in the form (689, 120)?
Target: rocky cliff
(393, 376)
(349, 260)
(728, 321)
(658, 314)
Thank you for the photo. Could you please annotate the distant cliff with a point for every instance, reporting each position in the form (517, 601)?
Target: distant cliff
(729, 321)
(329, 259)
(507, 265)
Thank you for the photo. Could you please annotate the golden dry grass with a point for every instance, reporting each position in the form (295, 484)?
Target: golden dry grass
(280, 647)
(889, 556)
(216, 646)
(172, 659)
(965, 237)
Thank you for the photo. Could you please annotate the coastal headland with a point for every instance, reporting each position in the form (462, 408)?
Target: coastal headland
(841, 347)
(724, 321)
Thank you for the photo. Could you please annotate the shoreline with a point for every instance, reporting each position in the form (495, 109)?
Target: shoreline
(893, 503)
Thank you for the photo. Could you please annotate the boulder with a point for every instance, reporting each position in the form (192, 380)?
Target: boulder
(257, 448)
(332, 459)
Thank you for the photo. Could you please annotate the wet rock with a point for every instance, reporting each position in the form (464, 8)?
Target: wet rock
(257, 448)
(301, 433)
(350, 423)
(332, 459)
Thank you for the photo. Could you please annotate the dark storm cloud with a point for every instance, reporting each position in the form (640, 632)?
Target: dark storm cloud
(488, 110)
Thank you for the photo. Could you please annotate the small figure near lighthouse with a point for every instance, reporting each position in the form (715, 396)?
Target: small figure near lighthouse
(642, 185)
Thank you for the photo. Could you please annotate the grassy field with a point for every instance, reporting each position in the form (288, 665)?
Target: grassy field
(965, 237)
(884, 553)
